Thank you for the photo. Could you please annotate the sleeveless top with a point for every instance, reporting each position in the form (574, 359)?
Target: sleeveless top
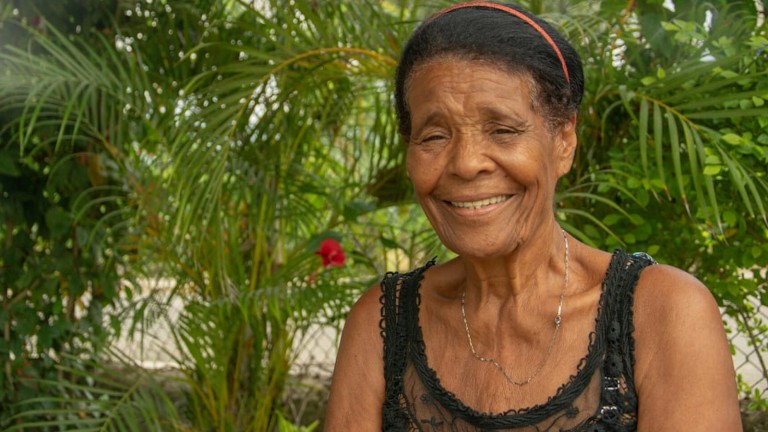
(600, 396)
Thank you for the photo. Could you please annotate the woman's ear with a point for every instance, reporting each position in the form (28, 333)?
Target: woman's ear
(566, 146)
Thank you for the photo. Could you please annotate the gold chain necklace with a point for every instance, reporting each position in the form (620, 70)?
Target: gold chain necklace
(558, 321)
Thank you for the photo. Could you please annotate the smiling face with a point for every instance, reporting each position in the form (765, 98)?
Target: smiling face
(483, 163)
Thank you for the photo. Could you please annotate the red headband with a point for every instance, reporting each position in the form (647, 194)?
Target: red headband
(516, 13)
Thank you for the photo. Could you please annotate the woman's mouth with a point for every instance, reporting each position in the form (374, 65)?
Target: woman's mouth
(474, 205)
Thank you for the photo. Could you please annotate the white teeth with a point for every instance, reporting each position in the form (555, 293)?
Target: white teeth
(474, 205)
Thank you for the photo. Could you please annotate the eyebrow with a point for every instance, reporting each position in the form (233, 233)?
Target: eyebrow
(435, 116)
(486, 112)
(492, 112)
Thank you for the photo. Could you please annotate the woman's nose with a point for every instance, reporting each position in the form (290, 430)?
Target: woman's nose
(470, 156)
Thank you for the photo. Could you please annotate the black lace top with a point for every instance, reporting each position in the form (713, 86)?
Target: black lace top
(599, 397)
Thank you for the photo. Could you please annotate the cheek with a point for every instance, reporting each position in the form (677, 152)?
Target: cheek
(420, 173)
(522, 166)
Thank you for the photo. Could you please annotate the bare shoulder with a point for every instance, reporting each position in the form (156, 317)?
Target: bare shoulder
(357, 385)
(367, 309)
(667, 297)
(682, 355)
(674, 285)
(361, 328)
(671, 307)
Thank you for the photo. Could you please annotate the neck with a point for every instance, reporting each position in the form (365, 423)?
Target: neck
(534, 269)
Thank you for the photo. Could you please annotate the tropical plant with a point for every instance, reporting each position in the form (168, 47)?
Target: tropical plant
(230, 139)
(63, 213)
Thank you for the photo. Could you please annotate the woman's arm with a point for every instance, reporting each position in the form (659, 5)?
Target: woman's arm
(684, 372)
(357, 388)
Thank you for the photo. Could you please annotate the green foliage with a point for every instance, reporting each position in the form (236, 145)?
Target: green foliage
(286, 426)
(115, 397)
(62, 209)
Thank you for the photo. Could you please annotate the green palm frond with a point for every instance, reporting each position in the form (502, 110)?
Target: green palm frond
(71, 86)
(99, 397)
(683, 133)
(674, 130)
(296, 125)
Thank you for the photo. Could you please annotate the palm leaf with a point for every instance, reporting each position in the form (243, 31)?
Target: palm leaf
(96, 397)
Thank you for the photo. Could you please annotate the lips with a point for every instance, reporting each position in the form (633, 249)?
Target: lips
(474, 205)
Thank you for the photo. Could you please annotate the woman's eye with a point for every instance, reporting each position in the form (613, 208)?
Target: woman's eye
(504, 131)
(433, 138)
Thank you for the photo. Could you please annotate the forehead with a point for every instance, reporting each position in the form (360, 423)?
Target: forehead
(460, 81)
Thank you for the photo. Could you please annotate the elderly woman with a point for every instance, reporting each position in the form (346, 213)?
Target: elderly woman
(526, 329)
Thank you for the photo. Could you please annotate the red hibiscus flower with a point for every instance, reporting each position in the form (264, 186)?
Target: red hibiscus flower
(331, 253)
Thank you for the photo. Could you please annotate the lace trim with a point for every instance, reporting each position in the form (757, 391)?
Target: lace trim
(392, 298)
(618, 400)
